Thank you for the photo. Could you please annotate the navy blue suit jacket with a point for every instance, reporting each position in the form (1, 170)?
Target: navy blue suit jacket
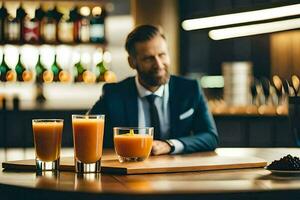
(190, 120)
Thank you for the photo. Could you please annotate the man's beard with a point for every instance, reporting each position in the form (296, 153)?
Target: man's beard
(151, 79)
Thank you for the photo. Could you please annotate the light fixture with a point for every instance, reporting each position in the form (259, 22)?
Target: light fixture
(255, 29)
(242, 17)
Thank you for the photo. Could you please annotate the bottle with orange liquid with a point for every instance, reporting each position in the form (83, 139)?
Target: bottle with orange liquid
(39, 69)
(59, 75)
(56, 69)
(100, 69)
(81, 74)
(23, 74)
(104, 74)
(6, 73)
(19, 68)
(43, 75)
(78, 72)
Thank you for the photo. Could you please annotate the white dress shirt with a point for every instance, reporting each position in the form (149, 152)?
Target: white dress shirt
(163, 108)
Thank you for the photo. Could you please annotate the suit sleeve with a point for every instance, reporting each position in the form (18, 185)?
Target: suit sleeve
(100, 107)
(204, 133)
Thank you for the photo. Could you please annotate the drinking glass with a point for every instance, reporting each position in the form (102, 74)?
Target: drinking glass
(47, 135)
(133, 143)
(88, 133)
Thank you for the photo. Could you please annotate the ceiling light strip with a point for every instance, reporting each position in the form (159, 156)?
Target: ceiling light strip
(255, 29)
(243, 17)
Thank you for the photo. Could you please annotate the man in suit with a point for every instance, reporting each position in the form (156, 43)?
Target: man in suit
(174, 106)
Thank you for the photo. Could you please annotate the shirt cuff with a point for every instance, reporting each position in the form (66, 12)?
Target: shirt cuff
(179, 147)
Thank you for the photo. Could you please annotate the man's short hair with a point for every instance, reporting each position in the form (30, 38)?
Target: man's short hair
(141, 34)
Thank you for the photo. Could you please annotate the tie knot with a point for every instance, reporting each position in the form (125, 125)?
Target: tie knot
(151, 98)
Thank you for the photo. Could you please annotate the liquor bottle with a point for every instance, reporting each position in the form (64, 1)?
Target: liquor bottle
(100, 70)
(6, 73)
(31, 31)
(20, 16)
(104, 74)
(3, 16)
(20, 69)
(3, 69)
(12, 28)
(39, 14)
(23, 74)
(56, 69)
(78, 72)
(66, 29)
(40, 69)
(97, 26)
(75, 17)
(6, 22)
(84, 25)
(49, 26)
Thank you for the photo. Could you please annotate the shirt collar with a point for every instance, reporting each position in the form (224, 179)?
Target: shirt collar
(144, 92)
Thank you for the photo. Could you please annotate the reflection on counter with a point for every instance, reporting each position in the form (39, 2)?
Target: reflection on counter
(88, 182)
(47, 179)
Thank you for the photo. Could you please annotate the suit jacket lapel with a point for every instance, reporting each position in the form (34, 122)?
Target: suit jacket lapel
(131, 103)
(173, 100)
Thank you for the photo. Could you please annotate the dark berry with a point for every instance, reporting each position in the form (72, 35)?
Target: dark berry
(287, 162)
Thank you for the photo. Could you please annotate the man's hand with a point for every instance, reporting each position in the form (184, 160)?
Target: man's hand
(160, 147)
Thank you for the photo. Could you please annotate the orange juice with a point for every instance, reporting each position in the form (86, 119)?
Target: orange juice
(133, 145)
(47, 139)
(88, 139)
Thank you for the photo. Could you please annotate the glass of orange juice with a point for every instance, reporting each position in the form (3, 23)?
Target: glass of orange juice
(88, 133)
(47, 134)
(133, 144)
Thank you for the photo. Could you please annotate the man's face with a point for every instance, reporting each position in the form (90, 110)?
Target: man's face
(152, 62)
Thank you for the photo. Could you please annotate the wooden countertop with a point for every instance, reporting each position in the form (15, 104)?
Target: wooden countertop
(218, 184)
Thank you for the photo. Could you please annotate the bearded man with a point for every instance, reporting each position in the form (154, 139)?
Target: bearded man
(173, 105)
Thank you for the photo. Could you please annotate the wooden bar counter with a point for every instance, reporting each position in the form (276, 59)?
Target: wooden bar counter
(254, 183)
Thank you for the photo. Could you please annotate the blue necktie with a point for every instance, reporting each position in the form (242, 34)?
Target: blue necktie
(154, 117)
